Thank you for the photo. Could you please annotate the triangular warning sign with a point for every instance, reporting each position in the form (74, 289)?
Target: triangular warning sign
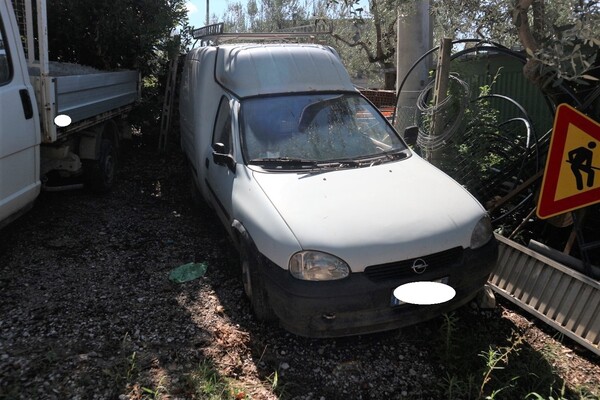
(572, 174)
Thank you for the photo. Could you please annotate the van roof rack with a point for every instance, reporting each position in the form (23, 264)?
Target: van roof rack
(214, 33)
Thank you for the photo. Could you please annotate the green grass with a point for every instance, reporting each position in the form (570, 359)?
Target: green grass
(493, 363)
(205, 382)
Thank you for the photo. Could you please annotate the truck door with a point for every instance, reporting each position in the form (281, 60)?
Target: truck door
(19, 123)
(220, 174)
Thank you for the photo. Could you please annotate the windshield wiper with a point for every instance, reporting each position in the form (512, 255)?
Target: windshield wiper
(397, 155)
(330, 166)
(393, 155)
(283, 162)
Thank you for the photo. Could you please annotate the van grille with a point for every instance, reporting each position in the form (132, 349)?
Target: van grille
(403, 269)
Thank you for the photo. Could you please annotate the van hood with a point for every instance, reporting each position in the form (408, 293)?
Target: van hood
(376, 214)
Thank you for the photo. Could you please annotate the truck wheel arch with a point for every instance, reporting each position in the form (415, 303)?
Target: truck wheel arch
(90, 142)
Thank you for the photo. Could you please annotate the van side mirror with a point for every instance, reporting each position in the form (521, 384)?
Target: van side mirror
(222, 157)
(410, 135)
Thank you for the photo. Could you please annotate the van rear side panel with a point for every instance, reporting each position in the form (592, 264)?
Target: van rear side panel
(199, 100)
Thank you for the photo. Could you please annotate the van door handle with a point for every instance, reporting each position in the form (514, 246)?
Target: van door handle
(206, 163)
(26, 101)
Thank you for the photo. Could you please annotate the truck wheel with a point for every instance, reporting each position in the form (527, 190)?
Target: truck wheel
(254, 286)
(101, 172)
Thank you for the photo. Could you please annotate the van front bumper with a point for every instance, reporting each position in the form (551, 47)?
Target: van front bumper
(359, 304)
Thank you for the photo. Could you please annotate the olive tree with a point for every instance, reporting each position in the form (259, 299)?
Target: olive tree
(562, 42)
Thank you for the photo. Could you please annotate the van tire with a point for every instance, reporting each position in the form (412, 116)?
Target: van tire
(254, 286)
(101, 172)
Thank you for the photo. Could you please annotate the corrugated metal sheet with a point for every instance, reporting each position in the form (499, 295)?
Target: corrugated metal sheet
(479, 71)
(561, 297)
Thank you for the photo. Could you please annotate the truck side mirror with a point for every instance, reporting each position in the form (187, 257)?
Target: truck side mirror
(222, 157)
(410, 135)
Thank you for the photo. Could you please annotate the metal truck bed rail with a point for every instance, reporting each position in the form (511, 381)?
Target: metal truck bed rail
(82, 97)
(561, 297)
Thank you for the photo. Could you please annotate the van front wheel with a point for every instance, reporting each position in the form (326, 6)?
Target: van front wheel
(254, 286)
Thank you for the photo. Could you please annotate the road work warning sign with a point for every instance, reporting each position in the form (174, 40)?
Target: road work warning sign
(572, 174)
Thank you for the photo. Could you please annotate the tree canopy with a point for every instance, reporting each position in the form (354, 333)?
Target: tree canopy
(110, 34)
(558, 35)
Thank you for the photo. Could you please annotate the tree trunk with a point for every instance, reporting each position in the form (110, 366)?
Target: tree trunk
(389, 76)
(389, 68)
(531, 70)
(521, 21)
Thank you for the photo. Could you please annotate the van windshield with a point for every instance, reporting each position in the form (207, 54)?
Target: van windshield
(315, 128)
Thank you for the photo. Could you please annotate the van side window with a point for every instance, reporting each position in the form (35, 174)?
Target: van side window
(222, 133)
(5, 70)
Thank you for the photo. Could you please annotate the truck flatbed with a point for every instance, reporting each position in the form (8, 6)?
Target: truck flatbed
(82, 93)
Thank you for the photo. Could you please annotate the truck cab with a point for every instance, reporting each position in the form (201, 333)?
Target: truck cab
(329, 207)
(19, 121)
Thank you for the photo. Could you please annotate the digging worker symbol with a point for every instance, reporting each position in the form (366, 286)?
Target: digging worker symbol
(581, 163)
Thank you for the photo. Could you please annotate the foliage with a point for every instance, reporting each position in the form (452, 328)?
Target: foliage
(470, 151)
(110, 35)
(478, 366)
(566, 42)
(569, 47)
(559, 36)
(377, 36)
(126, 34)
(265, 15)
(205, 382)
(473, 19)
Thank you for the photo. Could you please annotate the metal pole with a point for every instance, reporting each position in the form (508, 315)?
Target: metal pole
(42, 37)
(207, 12)
(442, 78)
(29, 32)
(414, 38)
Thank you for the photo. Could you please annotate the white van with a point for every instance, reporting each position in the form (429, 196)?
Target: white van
(329, 207)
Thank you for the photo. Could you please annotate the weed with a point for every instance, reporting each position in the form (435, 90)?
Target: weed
(132, 367)
(156, 393)
(551, 349)
(123, 369)
(537, 396)
(205, 382)
(275, 381)
(448, 329)
(276, 385)
(496, 359)
(453, 387)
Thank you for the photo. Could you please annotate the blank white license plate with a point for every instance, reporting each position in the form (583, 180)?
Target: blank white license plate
(395, 302)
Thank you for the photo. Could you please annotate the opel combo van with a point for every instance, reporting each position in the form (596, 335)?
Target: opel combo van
(328, 206)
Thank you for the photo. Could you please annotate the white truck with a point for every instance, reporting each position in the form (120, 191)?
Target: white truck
(81, 145)
(330, 209)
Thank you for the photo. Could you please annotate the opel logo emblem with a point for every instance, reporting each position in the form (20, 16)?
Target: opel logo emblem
(419, 266)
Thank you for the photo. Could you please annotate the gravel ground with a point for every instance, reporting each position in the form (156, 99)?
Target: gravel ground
(87, 310)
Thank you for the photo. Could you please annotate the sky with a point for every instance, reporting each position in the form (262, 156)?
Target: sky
(197, 10)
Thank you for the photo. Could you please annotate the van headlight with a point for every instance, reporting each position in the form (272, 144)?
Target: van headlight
(482, 233)
(317, 266)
